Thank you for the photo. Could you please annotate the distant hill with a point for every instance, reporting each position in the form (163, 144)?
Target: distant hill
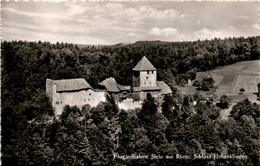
(137, 43)
(150, 43)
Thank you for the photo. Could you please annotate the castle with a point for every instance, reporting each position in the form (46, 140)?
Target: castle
(78, 92)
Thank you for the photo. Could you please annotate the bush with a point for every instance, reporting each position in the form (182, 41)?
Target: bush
(223, 102)
(205, 84)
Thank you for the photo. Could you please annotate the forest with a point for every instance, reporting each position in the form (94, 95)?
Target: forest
(32, 136)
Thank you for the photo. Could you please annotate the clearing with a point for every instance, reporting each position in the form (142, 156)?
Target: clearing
(230, 79)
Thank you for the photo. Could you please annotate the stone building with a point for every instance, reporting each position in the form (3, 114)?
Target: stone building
(72, 92)
(78, 92)
(145, 80)
(119, 92)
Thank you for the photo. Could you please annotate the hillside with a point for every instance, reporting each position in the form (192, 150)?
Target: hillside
(230, 79)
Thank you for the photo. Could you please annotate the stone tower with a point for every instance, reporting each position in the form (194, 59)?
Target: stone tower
(144, 74)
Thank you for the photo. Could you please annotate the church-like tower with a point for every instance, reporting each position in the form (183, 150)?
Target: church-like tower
(144, 74)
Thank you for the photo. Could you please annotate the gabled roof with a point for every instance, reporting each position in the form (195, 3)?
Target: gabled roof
(146, 88)
(165, 89)
(111, 85)
(144, 65)
(151, 88)
(124, 88)
(137, 89)
(71, 84)
(161, 86)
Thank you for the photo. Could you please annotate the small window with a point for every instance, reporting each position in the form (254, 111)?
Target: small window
(150, 83)
(57, 102)
(84, 99)
(144, 82)
(89, 94)
(61, 102)
(147, 72)
(152, 72)
(88, 99)
(146, 77)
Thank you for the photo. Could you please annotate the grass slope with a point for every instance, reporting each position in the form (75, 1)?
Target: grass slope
(231, 78)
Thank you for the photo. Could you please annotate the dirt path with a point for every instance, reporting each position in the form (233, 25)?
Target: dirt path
(226, 112)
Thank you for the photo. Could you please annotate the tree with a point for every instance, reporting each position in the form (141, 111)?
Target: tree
(223, 102)
(191, 75)
(205, 84)
(149, 105)
(167, 107)
(242, 90)
(245, 107)
(111, 108)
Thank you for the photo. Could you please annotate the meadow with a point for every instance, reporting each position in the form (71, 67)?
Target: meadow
(231, 78)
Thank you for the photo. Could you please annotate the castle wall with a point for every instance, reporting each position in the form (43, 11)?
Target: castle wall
(148, 78)
(129, 104)
(154, 94)
(79, 99)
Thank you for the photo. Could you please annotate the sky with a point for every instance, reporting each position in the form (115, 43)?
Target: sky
(107, 23)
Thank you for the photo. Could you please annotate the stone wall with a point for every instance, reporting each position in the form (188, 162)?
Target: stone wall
(148, 78)
(79, 99)
(129, 103)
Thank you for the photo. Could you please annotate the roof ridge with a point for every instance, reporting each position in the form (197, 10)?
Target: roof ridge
(144, 65)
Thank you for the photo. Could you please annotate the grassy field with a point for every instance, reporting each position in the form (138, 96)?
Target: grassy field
(236, 76)
(248, 82)
(231, 78)
(245, 67)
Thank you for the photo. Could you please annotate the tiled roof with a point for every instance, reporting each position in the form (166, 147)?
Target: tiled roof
(143, 65)
(165, 89)
(151, 88)
(161, 86)
(71, 84)
(124, 88)
(137, 89)
(111, 85)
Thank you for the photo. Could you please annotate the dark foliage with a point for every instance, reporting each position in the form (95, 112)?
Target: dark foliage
(223, 102)
(205, 84)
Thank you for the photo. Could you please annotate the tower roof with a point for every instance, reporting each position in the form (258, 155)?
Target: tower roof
(144, 65)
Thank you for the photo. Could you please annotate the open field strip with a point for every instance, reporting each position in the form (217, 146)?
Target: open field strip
(230, 79)
(248, 82)
(217, 78)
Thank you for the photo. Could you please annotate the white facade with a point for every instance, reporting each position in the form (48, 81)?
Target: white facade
(129, 103)
(148, 78)
(73, 98)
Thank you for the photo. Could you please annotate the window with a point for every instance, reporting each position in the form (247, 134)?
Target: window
(57, 102)
(89, 94)
(84, 99)
(61, 102)
(144, 82)
(147, 72)
(88, 99)
(152, 72)
(150, 83)
(146, 77)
